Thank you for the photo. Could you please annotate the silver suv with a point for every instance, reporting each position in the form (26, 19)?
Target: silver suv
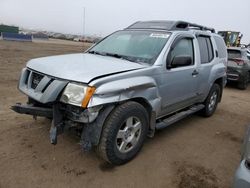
(133, 82)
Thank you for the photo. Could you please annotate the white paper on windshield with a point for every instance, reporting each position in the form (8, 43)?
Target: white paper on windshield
(159, 35)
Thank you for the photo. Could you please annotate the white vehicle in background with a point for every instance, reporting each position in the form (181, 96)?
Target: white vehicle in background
(76, 39)
(242, 175)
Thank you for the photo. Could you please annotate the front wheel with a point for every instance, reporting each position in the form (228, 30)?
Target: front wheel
(211, 101)
(124, 132)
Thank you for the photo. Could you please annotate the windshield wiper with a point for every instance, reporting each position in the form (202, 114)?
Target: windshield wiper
(113, 55)
(105, 54)
(96, 52)
(128, 58)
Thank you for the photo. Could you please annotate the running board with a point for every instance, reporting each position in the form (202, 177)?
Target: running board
(177, 117)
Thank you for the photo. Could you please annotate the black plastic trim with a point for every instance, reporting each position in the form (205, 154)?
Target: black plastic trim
(32, 110)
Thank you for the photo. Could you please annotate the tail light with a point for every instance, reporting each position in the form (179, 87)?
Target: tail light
(239, 62)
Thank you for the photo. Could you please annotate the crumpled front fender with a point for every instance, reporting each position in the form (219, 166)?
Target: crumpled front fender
(124, 89)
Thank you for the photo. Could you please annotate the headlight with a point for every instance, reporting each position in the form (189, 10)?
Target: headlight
(246, 146)
(76, 94)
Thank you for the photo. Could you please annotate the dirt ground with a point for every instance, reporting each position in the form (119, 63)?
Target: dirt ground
(194, 153)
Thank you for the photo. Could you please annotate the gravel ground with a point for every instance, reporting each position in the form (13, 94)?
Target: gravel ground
(196, 152)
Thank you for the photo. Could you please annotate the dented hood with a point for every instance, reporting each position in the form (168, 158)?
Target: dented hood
(81, 67)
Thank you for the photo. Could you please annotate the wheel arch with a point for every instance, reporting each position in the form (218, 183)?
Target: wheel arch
(144, 103)
(151, 114)
(220, 82)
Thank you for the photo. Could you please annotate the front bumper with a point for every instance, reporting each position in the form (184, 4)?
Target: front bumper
(242, 176)
(32, 110)
(73, 113)
(68, 116)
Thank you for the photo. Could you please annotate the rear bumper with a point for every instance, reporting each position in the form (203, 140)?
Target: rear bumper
(32, 110)
(233, 76)
(237, 75)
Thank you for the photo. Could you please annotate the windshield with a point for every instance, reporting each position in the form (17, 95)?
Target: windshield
(136, 46)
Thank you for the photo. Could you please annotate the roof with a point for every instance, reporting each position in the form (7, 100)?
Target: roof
(169, 26)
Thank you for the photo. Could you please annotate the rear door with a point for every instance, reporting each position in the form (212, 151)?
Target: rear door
(207, 60)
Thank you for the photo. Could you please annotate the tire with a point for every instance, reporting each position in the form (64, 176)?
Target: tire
(211, 101)
(244, 83)
(123, 134)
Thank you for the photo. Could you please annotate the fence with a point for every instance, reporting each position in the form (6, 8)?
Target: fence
(40, 36)
(16, 37)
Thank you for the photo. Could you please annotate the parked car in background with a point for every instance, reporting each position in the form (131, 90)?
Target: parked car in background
(248, 53)
(242, 175)
(238, 68)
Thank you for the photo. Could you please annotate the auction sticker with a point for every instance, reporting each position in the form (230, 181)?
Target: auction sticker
(159, 35)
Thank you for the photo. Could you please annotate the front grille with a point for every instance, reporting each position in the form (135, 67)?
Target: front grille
(40, 87)
(27, 77)
(35, 80)
(47, 85)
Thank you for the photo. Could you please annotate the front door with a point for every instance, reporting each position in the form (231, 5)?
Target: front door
(179, 84)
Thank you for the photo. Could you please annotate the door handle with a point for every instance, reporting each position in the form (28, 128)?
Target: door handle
(195, 73)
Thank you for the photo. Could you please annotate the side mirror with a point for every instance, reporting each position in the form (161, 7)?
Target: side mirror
(180, 61)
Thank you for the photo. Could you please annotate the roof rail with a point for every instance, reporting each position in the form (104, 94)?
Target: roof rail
(169, 25)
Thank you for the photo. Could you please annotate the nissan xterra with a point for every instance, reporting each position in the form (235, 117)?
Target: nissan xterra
(131, 83)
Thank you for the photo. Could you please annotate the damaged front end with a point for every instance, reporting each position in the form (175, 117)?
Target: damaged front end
(64, 116)
(81, 106)
(63, 102)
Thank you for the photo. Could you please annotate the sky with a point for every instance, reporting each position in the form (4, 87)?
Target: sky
(106, 16)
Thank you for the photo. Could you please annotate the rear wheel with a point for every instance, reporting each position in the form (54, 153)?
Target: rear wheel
(211, 101)
(244, 83)
(123, 133)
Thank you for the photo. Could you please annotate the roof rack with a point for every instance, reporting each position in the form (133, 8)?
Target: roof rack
(169, 25)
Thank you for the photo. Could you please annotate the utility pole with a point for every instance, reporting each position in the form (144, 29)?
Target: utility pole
(83, 22)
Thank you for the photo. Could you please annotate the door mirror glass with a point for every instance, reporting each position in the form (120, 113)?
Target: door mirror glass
(181, 60)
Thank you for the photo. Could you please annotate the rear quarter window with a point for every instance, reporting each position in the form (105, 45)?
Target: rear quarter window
(222, 49)
(232, 54)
